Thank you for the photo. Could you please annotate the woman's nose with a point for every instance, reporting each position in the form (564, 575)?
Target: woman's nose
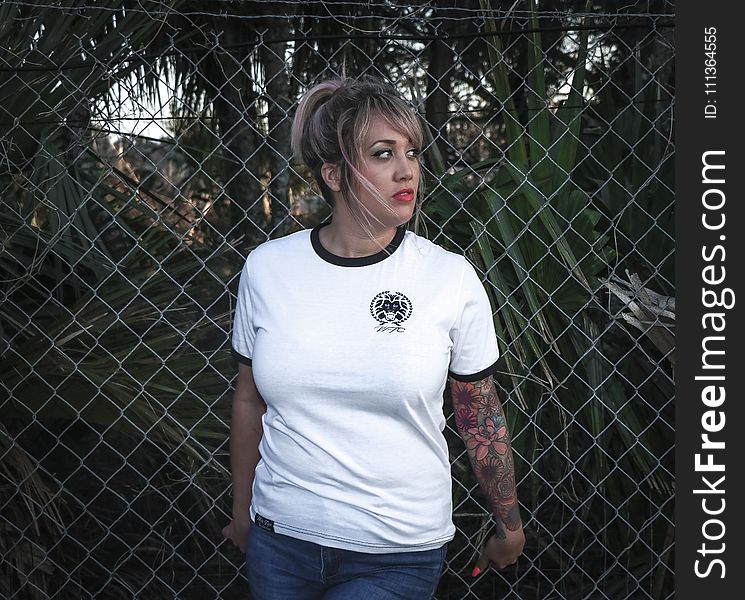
(404, 170)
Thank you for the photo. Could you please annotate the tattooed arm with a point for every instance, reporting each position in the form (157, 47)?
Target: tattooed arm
(482, 425)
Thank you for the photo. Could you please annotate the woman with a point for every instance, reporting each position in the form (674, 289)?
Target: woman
(346, 336)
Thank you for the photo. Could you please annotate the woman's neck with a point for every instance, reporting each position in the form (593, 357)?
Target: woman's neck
(346, 238)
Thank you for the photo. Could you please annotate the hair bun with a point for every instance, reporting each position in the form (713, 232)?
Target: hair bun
(309, 105)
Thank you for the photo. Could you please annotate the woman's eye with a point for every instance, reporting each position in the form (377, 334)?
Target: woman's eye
(387, 153)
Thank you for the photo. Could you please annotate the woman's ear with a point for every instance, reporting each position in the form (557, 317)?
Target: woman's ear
(331, 174)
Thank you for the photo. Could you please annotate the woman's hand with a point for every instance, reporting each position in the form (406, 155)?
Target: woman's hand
(500, 551)
(237, 531)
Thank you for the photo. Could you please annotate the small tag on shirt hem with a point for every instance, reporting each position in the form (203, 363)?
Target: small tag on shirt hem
(264, 523)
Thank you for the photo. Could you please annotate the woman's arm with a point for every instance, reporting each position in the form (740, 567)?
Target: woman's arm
(482, 425)
(245, 434)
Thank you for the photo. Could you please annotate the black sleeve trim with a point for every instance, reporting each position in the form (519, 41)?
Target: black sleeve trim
(240, 358)
(475, 376)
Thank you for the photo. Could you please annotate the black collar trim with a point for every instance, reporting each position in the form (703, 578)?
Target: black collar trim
(357, 261)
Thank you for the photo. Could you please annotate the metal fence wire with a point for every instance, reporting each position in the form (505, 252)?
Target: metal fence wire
(144, 152)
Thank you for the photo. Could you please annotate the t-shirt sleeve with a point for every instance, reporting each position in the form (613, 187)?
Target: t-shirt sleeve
(475, 351)
(244, 333)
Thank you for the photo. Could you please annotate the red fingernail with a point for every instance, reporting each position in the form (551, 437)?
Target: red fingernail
(476, 571)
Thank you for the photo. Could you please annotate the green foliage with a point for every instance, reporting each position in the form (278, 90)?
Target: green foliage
(124, 354)
(629, 171)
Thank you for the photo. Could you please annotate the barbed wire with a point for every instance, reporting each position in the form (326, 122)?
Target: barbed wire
(441, 11)
(340, 37)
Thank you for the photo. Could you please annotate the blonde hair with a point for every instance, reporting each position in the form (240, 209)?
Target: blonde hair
(330, 124)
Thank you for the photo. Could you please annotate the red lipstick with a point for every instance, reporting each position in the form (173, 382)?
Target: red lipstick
(404, 195)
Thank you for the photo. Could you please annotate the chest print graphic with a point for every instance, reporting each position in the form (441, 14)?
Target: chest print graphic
(390, 309)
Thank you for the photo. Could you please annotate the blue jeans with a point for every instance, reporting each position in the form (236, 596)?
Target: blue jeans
(284, 568)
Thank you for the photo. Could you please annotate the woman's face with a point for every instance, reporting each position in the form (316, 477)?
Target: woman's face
(390, 162)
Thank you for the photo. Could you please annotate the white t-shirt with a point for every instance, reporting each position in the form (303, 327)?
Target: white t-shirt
(351, 356)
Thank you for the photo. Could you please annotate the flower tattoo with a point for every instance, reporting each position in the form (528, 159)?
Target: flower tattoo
(486, 437)
(482, 425)
(465, 419)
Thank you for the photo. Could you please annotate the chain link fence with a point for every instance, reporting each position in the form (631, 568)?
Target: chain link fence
(144, 151)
